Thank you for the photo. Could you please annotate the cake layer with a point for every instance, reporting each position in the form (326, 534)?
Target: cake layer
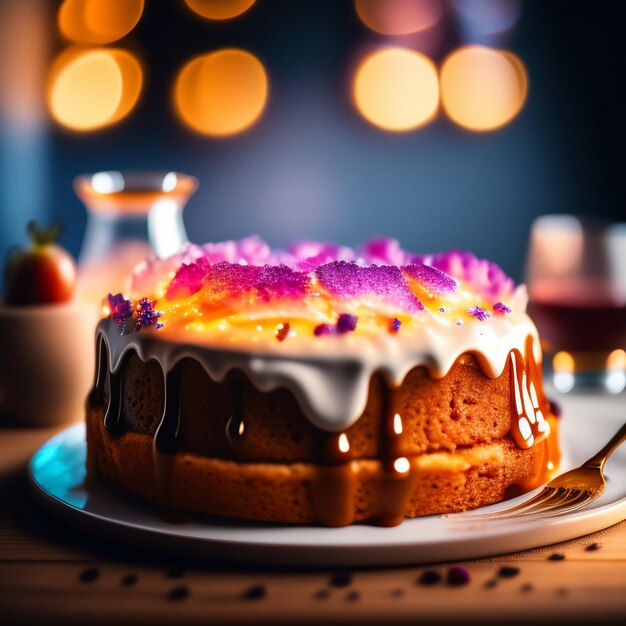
(461, 409)
(305, 493)
(320, 384)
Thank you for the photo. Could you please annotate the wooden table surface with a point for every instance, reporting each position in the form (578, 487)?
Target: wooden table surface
(50, 574)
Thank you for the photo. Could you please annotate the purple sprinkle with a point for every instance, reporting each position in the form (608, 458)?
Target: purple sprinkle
(479, 313)
(457, 576)
(592, 547)
(120, 309)
(434, 280)
(346, 323)
(147, 316)
(324, 329)
(394, 325)
(499, 308)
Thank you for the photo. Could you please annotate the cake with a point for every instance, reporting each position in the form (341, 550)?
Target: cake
(319, 385)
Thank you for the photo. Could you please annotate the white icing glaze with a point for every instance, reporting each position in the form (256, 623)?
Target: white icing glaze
(330, 376)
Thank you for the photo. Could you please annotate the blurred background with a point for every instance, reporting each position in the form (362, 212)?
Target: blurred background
(443, 123)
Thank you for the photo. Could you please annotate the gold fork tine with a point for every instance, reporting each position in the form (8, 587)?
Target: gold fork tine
(578, 502)
(550, 497)
(570, 500)
(545, 495)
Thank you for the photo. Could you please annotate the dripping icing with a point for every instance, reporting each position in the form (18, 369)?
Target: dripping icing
(331, 385)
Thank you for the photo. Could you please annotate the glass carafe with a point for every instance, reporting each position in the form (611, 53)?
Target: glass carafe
(131, 216)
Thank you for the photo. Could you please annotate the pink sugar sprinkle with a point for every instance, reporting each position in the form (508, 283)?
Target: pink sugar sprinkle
(434, 280)
(231, 279)
(483, 275)
(188, 279)
(348, 280)
(280, 281)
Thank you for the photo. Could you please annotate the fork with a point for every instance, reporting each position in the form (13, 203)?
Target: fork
(565, 493)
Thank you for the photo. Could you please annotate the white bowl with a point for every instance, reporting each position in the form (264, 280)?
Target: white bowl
(47, 355)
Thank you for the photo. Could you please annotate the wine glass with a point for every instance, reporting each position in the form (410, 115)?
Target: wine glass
(576, 277)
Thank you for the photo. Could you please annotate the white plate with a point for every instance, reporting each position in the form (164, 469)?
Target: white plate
(57, 471)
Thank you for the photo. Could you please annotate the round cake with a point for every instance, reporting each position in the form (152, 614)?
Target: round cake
(320, 384)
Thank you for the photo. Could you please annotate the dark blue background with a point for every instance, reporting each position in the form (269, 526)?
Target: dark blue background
(312, 168)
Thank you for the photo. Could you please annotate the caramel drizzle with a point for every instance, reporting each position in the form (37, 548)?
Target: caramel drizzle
(334, 484)
(399, 476)
(528, 402)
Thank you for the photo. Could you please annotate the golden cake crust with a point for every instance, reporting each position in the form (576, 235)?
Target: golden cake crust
(284, 492)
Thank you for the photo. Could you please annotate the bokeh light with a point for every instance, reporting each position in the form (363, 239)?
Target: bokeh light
(98, 21)
(615, 381)
(399, 17)
(483, 89)
(480, 19)
(396, 89)
(219, 9)
(90, 89)
(563, 367)
(222, 93)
